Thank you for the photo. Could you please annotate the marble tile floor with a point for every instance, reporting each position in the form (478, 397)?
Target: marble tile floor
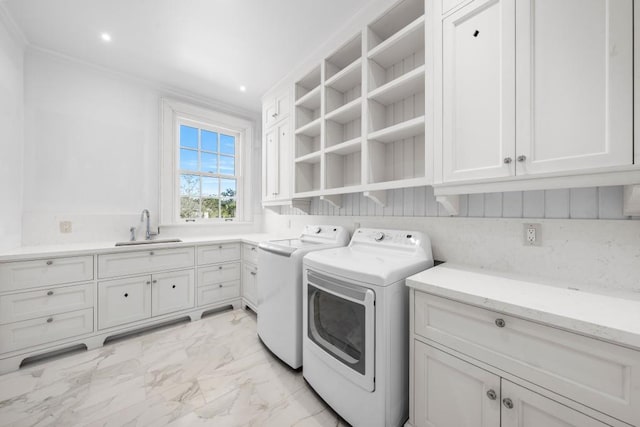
(212, 372)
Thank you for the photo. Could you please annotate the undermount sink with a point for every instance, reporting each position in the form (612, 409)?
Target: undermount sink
(148, 242)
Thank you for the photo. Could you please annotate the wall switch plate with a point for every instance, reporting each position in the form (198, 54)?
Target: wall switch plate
(65, 227)
(532, 234)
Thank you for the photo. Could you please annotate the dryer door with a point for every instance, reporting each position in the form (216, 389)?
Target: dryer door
(341, 326)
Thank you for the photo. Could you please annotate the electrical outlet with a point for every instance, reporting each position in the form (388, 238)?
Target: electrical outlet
(65, 227)
(532, 234)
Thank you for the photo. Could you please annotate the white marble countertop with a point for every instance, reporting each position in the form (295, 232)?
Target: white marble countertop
(45, 251)
(610, 316)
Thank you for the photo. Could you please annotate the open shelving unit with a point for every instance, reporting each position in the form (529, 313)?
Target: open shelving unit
(360, 115)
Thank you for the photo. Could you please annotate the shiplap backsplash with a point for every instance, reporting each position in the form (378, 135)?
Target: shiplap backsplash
(579, 203)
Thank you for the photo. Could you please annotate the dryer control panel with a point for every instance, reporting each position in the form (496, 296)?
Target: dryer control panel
(391, 238)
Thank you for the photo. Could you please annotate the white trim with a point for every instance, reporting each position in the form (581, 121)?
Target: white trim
(171, 111)
(12, 27)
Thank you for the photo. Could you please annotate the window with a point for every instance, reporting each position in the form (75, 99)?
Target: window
(208, 181)
(205, 161)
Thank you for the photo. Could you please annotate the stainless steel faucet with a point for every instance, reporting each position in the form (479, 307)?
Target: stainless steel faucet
(148, 233)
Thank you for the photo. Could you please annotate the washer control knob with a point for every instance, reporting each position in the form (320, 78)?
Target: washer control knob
(378, 236)
(317, 230)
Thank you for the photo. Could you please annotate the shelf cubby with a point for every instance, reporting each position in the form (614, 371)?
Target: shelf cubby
(402, 160)
(310, 129)
(348, 78)
(339, 132)
(345, 56)
(307, 177)
(306, 145)
(347, 147)
(310, 158)
(404, 44)
(403, 87)
(394, 21)
(343, 170)
(310, 101)
(308, 83)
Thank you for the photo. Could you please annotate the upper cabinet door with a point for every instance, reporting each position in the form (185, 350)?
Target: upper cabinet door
(270, 164)
(284, 161)
(479, 91)
(574, 84)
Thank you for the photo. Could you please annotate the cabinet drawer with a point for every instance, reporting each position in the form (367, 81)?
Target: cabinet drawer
(29, 333)
(598, 374)
(30, 305)
(224, 252)
(220, 292)
(171, 292)
(140, 262)
(250, 283)
(250, 253)
(218, 273)
(123, 301)
(44, 272)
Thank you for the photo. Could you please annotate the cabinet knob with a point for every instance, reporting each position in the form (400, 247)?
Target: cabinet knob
(507, 160)
(220, 247)
(220, 268)
(151, 253)
(49, 262)
(50, 319)
(50, 293)
(274, 115)
(500, 323)
(220, 285)
(253, 248)
(148, 282)
(253, 273)
(173, 286)
(508, 403)
(154, 281)
(522, 158)
(126, 295)
(491, 394)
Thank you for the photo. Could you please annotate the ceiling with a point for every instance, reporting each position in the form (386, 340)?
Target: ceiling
(206, 47)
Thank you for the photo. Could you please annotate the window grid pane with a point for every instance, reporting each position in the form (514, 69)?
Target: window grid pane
(207, 179)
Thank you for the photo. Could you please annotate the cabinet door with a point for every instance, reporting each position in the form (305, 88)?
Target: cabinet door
(270, 165)
(524, 408)
(284, 161)
(250, 283)
(270, 112)
(123, 301)
(575, 84)
(452, 392)
(172, 291)
(479, 91)
(282, 106)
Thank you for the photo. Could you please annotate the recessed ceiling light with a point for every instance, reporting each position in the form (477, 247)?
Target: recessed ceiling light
(243, 88)
(106, 37)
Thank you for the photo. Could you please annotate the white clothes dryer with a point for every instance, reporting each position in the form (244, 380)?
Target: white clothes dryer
(356, 324)
(280, 288)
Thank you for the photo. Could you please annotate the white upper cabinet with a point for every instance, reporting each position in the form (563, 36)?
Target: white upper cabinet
(479, 91)
(276, 109)
(536, 88)
(574, 84)
(276, 164)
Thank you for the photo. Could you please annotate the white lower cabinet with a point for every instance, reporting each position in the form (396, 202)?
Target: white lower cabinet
(123, 301)
(137, 298)
(568, 379)
(218, 292)
(43, 330)
(172, 292)
(250, 285)
(452, 392)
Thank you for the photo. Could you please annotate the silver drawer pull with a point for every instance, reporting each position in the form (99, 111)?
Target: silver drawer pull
(154, 281)
(508, 403)
(522, 158)
(507, 160)
(220, 268)
(253, 273)
(220, 247)
(151, 253)
(50, 319)
(148, 282)
(49, 262)
(253, 248)
(491, 394)
(500, 323)
(220, 285)
(50, 293)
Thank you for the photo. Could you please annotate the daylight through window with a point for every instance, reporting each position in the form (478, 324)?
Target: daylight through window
(208, 172)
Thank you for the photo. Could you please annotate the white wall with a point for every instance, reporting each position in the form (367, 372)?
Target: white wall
(91, 150)
(11, 136)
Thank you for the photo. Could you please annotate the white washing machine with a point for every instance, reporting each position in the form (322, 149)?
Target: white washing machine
(356, 324)
(280, 288)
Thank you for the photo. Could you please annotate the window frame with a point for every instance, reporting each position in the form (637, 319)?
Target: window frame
(173, 113)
